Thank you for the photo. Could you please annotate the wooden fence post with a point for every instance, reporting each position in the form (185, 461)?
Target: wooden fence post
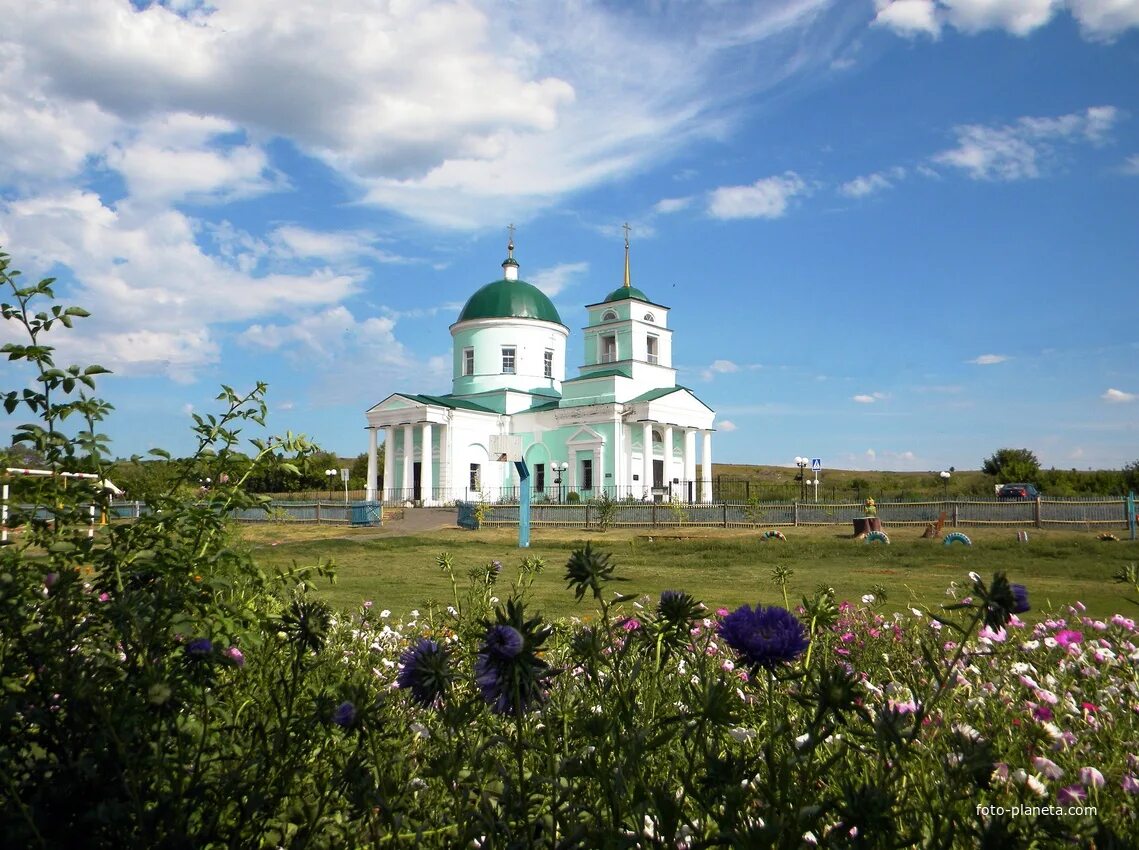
(955, 506)
(654, 513)
(795, 513)
(1036, 513)
(318, 511)
(725, 507)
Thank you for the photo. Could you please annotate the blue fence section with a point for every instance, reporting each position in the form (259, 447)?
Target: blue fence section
(316, 512)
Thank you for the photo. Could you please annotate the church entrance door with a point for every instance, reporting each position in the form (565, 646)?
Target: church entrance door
(417, 485)
(658, 473)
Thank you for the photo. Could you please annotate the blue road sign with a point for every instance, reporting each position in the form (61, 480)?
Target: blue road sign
(816, 464)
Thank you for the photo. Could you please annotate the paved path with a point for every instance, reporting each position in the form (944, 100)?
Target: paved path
(420, 520)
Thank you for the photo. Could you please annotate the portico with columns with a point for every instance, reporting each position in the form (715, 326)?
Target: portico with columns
(622, 426)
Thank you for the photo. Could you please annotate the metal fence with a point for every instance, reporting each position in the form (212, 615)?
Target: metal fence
(320, 511)
(1069, 513)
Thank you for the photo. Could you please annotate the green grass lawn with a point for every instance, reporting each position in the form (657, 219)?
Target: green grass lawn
(722, 568)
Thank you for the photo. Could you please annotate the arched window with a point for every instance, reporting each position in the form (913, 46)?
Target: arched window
(649, 317)
(609, 316)
(657, 438)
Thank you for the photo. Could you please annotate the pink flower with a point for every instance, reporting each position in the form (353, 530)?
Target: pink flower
(987, 634)
(1048, 767)
(631, 624)
(235, 655)
(1068, 637)
(847, 638)
(1091, 777)
(1072, 795)
(1130, 784)
(722, 612)
(104, 596)
(1040, 712)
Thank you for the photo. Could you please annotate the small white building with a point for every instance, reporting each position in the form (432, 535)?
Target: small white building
(622, 426)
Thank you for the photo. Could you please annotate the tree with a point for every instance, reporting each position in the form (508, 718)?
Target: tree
(1012, 465)
(1131, 476)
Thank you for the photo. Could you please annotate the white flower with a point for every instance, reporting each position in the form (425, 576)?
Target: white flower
(1036, 786)
(415, 614)
(973, 577)
(385, 614)
(741, 735)
(420, 730)
(451, 610)
(868, 599)
(916, 612)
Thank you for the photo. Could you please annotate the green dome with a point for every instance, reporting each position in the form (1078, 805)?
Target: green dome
(510, 299)
(623, 292)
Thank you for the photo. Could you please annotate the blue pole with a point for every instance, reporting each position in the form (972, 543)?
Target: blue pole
(523, 504)
(1131, 513)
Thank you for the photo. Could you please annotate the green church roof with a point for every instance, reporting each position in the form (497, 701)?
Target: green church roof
(510, 299)
(623, 292)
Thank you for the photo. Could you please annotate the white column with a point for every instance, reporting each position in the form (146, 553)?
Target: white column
(667, 455)
(444, 466)
(370, 483)
(706, 468)
(389, 463)
(690, 464)
(646, 455)
(408, 459)
(425, 469)
(598, 471)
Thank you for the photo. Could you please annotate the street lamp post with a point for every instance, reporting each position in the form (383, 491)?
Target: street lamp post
(816, 483)
(945, 484)
(559, 470)
(330, 474)
(802, 463)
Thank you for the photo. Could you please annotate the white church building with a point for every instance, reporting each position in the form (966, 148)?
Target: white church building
(622, 426)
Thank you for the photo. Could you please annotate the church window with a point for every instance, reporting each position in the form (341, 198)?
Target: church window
(549, 373)
(539, 477)
(649, 317)
(587, 475)
(608, 349)
(475, 483)
(468, 361)
(508, 356)
(652, 349)
(609, 316)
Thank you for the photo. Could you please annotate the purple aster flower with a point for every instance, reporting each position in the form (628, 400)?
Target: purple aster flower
(235, 655)
(503, 642)
(1020, 599)
(425, 671)
(765, 637)
(496, 566)
(199, 647)
(509, 676)
(344, 715)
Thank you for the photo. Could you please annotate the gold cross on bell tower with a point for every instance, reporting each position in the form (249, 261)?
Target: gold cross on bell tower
(510, 242)
(626, 228)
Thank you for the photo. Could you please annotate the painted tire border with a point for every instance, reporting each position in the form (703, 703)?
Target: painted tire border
(773, 535)
(957, 537)
(873, 536)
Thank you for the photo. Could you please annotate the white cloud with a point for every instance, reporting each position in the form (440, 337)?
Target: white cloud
(181, 156)
(767, 197)
(989, 359)
(908, 17)
(1105, 19)
(719, 367)
(1098, 19)
(1020, 151)
(869, 398)
(869, 184)
(1131, 166)
(556, 278)
(727, 426)
(1115, 396)
(155, 294)
(450, 112)
(293, 242)
(666, 206)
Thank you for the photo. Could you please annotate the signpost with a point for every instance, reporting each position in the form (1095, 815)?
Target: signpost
(816, 467)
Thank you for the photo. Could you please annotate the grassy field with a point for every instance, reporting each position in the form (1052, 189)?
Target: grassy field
(719, 567)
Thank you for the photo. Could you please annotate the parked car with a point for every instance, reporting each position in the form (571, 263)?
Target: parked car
(1017, 492)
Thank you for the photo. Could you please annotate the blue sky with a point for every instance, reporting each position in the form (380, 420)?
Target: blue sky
(894, 235)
